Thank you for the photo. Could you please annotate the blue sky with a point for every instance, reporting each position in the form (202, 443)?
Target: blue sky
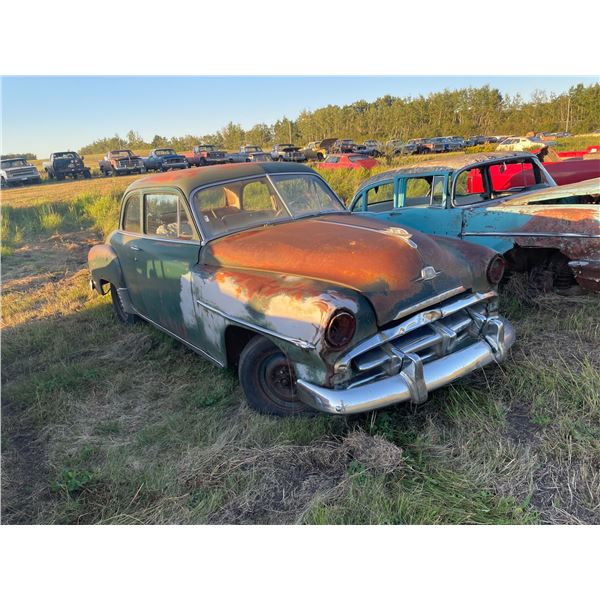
(43, 114)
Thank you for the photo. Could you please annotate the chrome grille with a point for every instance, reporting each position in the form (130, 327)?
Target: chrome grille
(438, 331)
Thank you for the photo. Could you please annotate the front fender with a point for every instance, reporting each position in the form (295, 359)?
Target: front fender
(292, 311)
(104, 267)
(476, 258)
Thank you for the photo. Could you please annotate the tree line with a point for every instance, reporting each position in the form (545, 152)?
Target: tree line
(468, 111)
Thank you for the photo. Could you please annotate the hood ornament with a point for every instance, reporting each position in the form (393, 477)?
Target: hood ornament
(401, 233)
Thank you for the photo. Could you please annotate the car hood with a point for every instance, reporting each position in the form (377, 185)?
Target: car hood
(382, 262)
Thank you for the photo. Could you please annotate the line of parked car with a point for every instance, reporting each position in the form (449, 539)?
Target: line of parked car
(262, 268)
(330, 153)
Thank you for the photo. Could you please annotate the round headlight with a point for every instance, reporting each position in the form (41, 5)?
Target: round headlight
(495, 270)
(341, 328)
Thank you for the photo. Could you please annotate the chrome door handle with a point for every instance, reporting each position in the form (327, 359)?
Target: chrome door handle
(136, 248)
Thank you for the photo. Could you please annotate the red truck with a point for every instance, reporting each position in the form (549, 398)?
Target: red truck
(206, 155)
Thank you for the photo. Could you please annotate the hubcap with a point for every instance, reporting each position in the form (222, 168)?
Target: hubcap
(278, 379)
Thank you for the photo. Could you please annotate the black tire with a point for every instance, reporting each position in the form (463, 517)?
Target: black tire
(280, 159)
(87, 175)
(59, 177)
(320, 157)
(3, 183)
(50, 174)
(124, 317)
(268, 380)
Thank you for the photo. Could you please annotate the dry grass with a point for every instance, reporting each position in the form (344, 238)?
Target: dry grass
(102, 424)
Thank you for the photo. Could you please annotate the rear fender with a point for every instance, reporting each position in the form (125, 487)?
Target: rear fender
(104, 266)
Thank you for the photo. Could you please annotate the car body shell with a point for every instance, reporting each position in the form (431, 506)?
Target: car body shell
(165, 159)
(206, 154)
(121, 162)
(564, 219)
(348, 161)
(255, 154)
(287, 153)
(318, 150)
(17, 170)
(65, 164)
(286, 281)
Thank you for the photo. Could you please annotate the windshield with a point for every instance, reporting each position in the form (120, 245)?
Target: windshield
(164, 151)
(122, 153)
(11, 164)
(249, 203)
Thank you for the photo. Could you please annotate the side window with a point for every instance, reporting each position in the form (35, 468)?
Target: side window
(381, 198)
(257, 196)
(469, 188)
(132, 217)
(165, 216)
(418, 191)
(332, 159)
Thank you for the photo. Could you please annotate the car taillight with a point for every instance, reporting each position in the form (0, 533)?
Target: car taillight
(340, 329)
(495, 270)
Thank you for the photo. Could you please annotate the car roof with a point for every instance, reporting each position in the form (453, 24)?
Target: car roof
(188, 180)
(447, 163)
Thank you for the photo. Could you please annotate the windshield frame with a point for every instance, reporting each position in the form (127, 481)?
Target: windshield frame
(206, 237)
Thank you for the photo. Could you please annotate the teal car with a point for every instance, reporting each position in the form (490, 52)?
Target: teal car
(506, 201)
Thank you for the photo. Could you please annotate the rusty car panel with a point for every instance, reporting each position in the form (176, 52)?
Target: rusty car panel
(314, 305)
(549, 227)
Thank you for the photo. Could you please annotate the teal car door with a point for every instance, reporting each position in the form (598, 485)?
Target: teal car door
(165, 254)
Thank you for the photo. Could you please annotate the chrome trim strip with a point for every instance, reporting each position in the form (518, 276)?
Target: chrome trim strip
(185, 342)
(433, 300)
(297, 342)
(532, 234)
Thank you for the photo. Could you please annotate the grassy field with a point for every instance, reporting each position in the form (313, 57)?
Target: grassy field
(105, 424)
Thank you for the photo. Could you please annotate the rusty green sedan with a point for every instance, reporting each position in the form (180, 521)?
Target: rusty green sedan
(261, 268)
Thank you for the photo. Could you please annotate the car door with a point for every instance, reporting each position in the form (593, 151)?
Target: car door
(166, 251)
(124, 241)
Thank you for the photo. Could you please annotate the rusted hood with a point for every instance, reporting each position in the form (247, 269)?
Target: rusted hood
(382, 262)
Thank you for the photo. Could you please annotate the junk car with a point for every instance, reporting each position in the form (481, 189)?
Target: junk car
(66, 164)
(121, 162)
(549, 231)
(260, 267)
(17, 170)
(165, 159)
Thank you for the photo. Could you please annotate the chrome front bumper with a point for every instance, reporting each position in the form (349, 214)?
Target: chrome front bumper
(415, 380)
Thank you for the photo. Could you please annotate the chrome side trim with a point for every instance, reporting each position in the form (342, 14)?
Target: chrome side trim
(297, 342)
(532, 234)
(184, 342)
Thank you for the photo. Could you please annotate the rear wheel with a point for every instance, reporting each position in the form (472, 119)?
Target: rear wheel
(268, 379)
(123, 316)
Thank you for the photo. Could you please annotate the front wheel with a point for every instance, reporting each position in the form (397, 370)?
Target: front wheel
(268, 380)
(123, 316)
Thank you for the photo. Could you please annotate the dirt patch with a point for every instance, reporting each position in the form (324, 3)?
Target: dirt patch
(47, 260)
(25, 490)
(286, 479)
(519, 426)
